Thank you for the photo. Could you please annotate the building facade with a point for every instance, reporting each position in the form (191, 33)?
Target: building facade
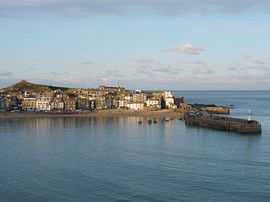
(139, 97)
(57, 105)
(44, 104)
(29, 104)
(5, 104)
(70, 105)
(136, 106)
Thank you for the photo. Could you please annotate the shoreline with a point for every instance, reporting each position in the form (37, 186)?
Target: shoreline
(99, 113)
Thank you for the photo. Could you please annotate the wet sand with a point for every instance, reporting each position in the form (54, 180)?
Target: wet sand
(97, 113)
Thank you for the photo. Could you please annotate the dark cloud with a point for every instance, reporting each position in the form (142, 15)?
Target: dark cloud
(119, 7)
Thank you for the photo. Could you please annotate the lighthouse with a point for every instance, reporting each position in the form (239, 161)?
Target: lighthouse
(249, 116)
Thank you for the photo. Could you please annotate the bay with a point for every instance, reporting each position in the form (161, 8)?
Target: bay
(115, 159)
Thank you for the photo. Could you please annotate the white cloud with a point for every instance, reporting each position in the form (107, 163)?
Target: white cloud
(144, 60)
(232, 69)
(251, 65)
(5, 73)
(55, 73)
(186, 48)
(111, 76)
(202, 70)
(86, 63)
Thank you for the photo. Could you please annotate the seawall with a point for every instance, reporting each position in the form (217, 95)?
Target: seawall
(224, 123)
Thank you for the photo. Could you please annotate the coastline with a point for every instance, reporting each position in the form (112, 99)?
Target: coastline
(98, 113)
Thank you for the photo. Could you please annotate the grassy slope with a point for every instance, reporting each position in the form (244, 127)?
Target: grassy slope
(26, 86)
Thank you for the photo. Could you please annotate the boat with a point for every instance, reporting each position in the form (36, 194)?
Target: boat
(140, 122)
(155, 121)
(167, 119)
(149, 121)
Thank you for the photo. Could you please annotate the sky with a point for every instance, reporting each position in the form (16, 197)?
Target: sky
(138, 44)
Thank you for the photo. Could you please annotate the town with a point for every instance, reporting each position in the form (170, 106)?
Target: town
(37, 98)
(29, 97)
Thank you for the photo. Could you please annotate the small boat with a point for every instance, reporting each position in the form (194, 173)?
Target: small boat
(140, 122)
(231, 106)
(167, 119)
(149, 121)
(155, 121)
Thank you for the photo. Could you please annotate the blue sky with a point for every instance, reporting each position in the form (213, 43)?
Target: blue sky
(146, 44)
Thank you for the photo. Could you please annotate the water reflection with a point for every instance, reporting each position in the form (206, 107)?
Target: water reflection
(45, 125)
(167, 132)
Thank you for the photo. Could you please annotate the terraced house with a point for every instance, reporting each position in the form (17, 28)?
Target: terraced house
(29, 104)
(5, 104)
(57, 104)
(44, 104)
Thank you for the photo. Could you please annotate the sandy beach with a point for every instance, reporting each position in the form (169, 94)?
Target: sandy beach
(97, 113)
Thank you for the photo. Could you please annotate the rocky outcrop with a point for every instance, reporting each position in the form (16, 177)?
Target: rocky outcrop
(218, 110)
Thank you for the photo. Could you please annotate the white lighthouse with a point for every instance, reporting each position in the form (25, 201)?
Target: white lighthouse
(249, 116)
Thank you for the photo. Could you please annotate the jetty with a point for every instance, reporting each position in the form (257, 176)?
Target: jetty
(245, 126)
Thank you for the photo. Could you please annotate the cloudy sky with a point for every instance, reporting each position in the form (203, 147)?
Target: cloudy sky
(146, 44)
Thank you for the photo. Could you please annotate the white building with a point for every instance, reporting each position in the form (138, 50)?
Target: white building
(122, 103)
(153, 102)
(139, 97)
(43, 104)
(168, 94)
(172, 106)
(136, 105)
(168, 97)
(128, 98)
(169, 101)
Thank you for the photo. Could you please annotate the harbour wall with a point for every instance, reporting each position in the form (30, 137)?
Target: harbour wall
(225, 124)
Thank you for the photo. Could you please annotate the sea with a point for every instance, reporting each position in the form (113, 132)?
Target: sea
(117, 159)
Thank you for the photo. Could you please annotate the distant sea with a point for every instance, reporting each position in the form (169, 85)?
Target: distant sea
(115, 159)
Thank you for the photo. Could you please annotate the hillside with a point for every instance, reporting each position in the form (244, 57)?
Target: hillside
(27, 86)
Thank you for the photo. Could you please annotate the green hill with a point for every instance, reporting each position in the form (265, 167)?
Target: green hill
(27, 86)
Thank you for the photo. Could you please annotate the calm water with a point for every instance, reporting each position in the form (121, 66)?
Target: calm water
(115, 159)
